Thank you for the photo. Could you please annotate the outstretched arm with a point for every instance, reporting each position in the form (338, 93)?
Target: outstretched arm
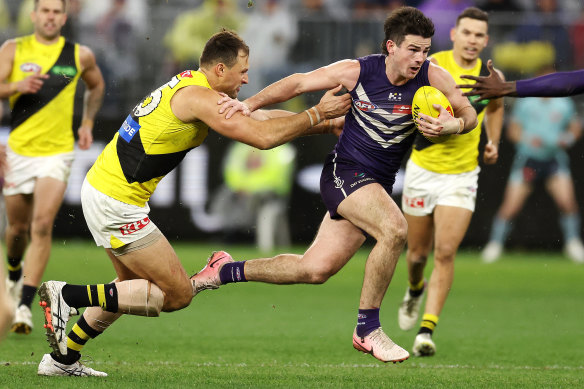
(194, 103)
(345, 73)
(550, 85)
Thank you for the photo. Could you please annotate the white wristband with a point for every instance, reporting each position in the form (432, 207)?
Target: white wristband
(461, 121)
(310, 117)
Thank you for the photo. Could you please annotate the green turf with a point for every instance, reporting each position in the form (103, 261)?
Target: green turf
(516, 323)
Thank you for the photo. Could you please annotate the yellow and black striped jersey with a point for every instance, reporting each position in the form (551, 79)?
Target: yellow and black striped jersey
(151, 142)
(458, 154)
(42, 122)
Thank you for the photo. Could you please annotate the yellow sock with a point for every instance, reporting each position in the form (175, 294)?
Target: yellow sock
(429, 322)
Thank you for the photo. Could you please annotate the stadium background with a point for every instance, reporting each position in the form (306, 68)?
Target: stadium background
(180, 205)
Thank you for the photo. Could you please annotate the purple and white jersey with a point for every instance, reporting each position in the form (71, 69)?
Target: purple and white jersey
(379, 129)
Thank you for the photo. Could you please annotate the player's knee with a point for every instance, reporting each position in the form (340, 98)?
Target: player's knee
(395, 232)
(445, 252)
(178, 298)
(319, 275)
(18, 230)
(177, 301)
(42, 226)
(140, 297)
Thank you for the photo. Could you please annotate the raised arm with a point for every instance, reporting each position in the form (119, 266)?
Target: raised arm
(197, 103)
(93, 97)
(345, 73)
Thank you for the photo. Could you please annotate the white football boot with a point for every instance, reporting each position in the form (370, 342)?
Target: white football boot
(492, 252)
(57, 313)
(424, 346)
(22, 323)
(50, 367)
(409, 310)
(574, 250)
(14, 289)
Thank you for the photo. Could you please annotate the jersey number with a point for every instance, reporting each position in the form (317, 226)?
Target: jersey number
(149, 104)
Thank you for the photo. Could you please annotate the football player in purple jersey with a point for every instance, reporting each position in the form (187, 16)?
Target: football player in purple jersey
(358, 175)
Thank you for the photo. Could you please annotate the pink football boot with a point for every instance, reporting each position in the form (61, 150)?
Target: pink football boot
(378, 344)
(208, 277)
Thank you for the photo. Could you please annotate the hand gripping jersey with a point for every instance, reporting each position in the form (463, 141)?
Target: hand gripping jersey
(379, 129)
(42, 122)
(460, 153)
(151, 142)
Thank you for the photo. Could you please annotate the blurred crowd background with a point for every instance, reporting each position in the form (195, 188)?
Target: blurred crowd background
(140, 44)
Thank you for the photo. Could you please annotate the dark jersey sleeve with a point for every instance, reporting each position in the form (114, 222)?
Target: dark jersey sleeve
(552, 85)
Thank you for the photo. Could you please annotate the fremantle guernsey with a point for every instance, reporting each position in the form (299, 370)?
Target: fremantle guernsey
(379, 129)
(42, 123)
(151, 142)
(458, 154)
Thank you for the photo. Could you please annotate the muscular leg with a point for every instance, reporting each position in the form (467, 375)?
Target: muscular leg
(48, 196)
(371, 209)
(420, 239)
(18, 214)
(159, 264)
(335, 243)
(451, 224)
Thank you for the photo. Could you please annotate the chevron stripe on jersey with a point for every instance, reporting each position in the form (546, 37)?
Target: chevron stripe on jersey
(151, 142)
(379, 129)
(41, 123)
(27, 105)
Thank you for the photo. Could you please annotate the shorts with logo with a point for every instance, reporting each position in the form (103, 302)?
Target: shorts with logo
(530, 170)
(113, 223)
(424, 190)
(22, 171)
(340, 178)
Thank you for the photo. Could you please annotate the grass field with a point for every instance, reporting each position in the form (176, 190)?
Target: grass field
(516, 323)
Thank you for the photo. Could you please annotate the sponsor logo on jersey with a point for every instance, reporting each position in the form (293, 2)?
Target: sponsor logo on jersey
(135, 226)
(30, 67)
(394, 96)
(402, 109)
(414, 202)
(186, 73)
(359, 175)
(128, 129)
(65, 71)
(365, 106)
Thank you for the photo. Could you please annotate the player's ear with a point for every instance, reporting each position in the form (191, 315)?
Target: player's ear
(220, 69)
(486, 41)
(390, 45)
(452, 33)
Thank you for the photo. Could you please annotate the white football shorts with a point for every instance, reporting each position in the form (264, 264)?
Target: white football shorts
(22, 171)
(424, 190)
(115, 224)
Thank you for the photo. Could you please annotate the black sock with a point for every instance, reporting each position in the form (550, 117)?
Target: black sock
(99, 295)
(76, 340)
(28, 293)
(14, 268)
